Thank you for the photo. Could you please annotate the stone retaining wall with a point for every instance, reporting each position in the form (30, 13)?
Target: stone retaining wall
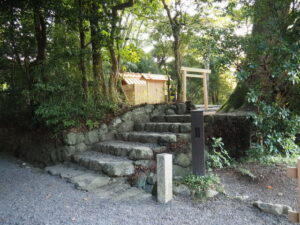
(235, 129)
(43, 151)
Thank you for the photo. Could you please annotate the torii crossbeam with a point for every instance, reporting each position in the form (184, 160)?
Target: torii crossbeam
(204, 72)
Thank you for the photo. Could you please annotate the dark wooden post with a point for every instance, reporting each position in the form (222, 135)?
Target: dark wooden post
(198, 144)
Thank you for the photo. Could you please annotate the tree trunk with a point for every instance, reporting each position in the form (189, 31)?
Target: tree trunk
(99, 81)
(41, 40)
(177, 55)
(84, 81)
(268, 29)
(176, 26)
(115, 88)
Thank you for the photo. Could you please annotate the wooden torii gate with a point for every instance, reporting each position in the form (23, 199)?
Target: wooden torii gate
(204, 72)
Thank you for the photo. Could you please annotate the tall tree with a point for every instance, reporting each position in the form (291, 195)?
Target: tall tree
(82, 55)
(111, 10)
(97, 44)
(268, 52)
(177, 21)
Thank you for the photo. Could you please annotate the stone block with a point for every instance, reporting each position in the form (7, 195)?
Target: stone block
(179, 171)
(66, 152)
(70, 138)
(164, 178)
(181, 108)
(139, 126)
(141, 118)
(185, 137)
(170, 112)
(182, 190)
(174, 128)
(103, 129)
(108, 136)
(145, 163)
(276, 209)
(149, 108)
(151, 179)
(141, 153)
(91, 137)
(127, 116)
(210, 193)
(126, 126)
(81, 147)
(182, 160)
(73, 138)
(140, 182)
(114, 124)
(159, 149)
(185, 128)
(118, 169)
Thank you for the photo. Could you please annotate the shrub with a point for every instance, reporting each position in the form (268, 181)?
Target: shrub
(200, 184)
(218, 157)
(61, 105)
(275, 128)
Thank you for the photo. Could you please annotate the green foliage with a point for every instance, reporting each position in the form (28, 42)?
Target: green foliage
(92, 124)
(145, 65)
(200, 184)
(256, 155)
(218, 157)
(270, 77)
(62, 105)
(275, 126)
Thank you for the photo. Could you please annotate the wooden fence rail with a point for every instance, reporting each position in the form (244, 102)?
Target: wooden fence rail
(294, 172)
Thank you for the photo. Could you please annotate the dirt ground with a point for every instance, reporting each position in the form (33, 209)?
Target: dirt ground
(270, 185)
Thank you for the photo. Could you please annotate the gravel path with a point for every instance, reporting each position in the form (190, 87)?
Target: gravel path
(30, 196)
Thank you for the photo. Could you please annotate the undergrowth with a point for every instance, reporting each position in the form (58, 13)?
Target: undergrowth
(200, 184)
(218, 157)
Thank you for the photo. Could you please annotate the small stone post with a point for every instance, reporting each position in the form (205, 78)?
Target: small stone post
(164, 177)
(294, 172)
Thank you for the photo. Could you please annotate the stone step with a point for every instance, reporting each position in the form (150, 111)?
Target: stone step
(120, 185)
(148, 137)
(121, 191)
(164, 127)
(111, 165)
(134, 150)
(132, 193)
(66, 170)
(184, 118)
(103, 186)
(82, 178)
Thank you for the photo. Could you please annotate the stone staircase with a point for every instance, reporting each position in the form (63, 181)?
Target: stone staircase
(105, 167)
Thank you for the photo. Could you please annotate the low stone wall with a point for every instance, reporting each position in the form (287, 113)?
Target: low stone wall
(44, 151)
(235, 129)
(36, 148)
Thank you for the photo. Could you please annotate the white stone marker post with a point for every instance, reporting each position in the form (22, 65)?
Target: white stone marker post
(164, 177)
